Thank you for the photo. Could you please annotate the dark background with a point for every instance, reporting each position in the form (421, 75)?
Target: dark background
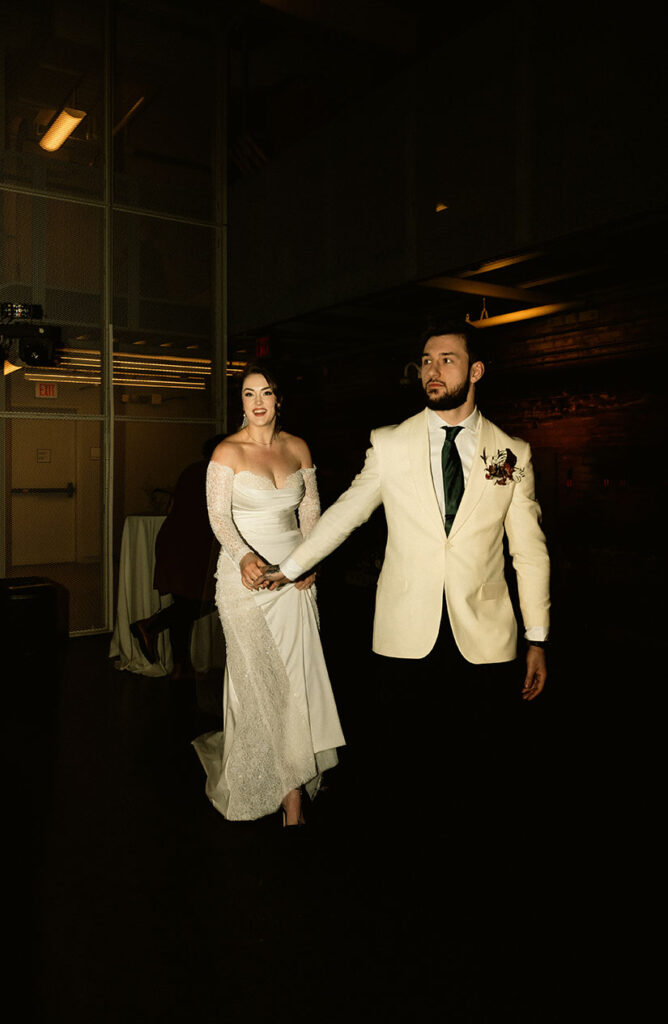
(345, 126)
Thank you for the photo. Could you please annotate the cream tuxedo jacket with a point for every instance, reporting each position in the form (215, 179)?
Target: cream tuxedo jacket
(421, 562)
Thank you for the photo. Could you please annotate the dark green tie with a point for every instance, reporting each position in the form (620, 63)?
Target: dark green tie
(453, 475)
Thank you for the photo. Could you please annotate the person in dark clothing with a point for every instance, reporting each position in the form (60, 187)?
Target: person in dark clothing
(186, 553)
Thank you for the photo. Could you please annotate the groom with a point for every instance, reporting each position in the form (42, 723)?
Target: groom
(452, 485)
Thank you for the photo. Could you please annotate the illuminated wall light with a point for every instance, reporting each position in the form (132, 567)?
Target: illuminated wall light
(61, 129)
(169, 371)
(177, 384)
(82, 366)
(440, 207)
(164, 367)
(186, 360)
(196, 364)
(70, 379)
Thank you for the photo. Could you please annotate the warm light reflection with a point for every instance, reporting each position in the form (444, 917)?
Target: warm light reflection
(61, 129)
(507, 261)
(130, 369)
(525, 314)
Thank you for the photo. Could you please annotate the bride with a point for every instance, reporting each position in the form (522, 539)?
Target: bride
(281, 727)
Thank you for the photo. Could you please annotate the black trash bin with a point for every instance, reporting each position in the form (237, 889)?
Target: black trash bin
(34, 626)
(33, 638)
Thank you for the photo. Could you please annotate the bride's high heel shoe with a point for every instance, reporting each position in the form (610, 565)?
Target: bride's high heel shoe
(300, 817)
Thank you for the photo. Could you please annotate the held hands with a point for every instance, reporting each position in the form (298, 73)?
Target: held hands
(534, 680)
(251, 566)
(257, 575)
(274, 578)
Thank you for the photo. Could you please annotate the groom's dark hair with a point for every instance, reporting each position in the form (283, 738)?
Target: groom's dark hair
(462, 329)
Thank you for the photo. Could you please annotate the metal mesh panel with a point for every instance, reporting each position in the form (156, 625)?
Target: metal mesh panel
(164, 120)
(58, 65)
(53, 257)
(54, 509)
(163, 317)
(148, 459)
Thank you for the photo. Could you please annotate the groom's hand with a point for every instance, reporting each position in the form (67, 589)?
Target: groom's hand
(273, 577)
(305, 582)
(534, 681)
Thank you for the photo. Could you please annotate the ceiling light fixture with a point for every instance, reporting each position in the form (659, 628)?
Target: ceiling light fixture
(526, 314)
(61, 129)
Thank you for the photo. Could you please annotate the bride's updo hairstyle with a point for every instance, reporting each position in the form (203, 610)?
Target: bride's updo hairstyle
(270, 377)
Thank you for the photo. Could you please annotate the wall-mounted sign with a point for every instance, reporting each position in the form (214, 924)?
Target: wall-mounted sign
(44, 455)
(46, 389)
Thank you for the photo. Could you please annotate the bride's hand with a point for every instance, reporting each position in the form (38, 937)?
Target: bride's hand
(305, 582)
(251, 566)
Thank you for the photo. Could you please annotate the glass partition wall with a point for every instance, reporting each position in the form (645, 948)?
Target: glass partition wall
(117, 234)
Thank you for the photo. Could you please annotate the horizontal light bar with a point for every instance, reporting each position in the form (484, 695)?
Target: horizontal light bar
(82, 366)
(181, 385)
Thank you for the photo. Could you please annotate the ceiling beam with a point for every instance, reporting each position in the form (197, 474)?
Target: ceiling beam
(506, 261)
(486, 289)
(526, 314)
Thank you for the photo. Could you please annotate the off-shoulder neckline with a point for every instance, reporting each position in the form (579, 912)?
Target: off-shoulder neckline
(265, 479)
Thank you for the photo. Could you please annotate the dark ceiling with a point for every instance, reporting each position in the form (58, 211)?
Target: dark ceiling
(560, 284)
(295, 64)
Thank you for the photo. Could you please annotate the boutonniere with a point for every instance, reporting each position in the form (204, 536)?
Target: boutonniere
(502, 468)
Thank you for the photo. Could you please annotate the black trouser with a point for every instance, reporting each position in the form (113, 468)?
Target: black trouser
(454, 741)
(178, 618)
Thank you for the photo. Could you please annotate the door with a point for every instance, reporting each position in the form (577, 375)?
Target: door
(43, 492)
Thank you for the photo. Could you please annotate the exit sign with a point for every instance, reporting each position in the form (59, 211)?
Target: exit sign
(46, 390)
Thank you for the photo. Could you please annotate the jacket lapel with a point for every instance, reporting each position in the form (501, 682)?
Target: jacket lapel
(420, 462)
(475, 484)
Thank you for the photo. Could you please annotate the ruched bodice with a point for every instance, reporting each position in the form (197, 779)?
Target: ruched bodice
(265, 514)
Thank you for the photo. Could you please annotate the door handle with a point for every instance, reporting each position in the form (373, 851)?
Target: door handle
(69, 490)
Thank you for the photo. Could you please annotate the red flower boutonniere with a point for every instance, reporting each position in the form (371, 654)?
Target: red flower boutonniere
(502, 468)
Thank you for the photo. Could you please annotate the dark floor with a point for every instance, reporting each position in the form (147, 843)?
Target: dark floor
(135, 901)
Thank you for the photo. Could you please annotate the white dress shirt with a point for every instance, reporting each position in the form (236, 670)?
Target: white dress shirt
(466, 443)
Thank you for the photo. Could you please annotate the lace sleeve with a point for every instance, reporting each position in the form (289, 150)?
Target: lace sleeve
(309, 507)
(219, 480)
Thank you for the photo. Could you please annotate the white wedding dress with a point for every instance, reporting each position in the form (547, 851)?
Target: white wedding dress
(281, 726)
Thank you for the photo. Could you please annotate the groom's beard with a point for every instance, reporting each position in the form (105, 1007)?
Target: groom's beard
(450, 400)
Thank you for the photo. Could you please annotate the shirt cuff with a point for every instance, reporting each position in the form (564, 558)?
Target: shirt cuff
(291, 569)
(538, 633)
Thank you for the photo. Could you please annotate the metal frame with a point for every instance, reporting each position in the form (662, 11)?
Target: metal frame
(219, 300)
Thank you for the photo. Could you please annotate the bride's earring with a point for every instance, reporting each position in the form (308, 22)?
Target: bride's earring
(244, 422)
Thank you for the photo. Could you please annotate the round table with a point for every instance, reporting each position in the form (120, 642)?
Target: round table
(138, 600)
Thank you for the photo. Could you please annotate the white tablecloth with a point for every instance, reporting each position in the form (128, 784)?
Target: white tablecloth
(138, 600)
